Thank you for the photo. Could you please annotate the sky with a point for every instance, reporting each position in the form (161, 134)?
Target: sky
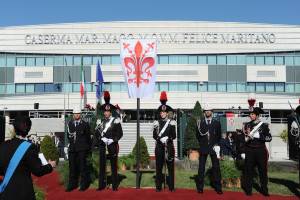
(32, 12)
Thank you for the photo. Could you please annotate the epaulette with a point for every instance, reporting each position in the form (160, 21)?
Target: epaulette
(117, 121)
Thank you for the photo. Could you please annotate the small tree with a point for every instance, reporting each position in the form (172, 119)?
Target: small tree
(145, 157)
(49, 149)
(190, 140)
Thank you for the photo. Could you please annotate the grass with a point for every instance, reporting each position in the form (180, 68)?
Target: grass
(39, 193)
(282, 183)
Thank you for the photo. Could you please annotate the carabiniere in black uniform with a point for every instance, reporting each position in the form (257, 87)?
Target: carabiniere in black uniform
(256, 154)
(164, 148)
(79, 148)
(108, 133)
(208, 135)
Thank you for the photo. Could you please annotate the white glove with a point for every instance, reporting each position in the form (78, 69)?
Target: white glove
(217, 149)
(164, 139)
(98, 122)
(256, 134)
(109, 141)
(104, 139)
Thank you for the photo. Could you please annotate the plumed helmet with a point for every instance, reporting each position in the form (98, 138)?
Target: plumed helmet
(163, 100)
(257, 111)
(106, 97)
(107, 106)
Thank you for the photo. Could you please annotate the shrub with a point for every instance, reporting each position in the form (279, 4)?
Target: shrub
(284, 135)
(127, 160)
(49, 149)
(145, 157)
(229, 169)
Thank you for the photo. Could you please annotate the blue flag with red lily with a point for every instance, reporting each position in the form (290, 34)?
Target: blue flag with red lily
(99, 80)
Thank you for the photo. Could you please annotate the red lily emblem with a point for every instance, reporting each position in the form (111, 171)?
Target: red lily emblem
(138, 63)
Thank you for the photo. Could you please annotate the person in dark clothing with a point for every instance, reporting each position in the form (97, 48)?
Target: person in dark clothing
(209, 135)
(79, 149)
(108, 133)
(20, 185)
(227, 145)
(164, 132)
(256, 153)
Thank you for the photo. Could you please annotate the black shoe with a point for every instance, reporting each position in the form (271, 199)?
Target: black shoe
(115, 189)
(101, 188)
(219, 192)
(265, 193)
(84, 188)
(248, 193)
(158, 190)
(172, 190)
(200, 191)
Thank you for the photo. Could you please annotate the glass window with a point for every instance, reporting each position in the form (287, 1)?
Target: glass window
(10, 61)
(87, 60)
(211, 60)
(68, 61)
(251, 87)
(221, 87)
(77, 60)
(75, 87)
(173, 86)
(156, 87)
(202, 60)
(107, 86)
(163, 86)
(241, 87)
(49, 87)
(259, 60)
(241, 60)
(231, 87)
(89, 87)
(115, 60)
(67, 87)
(10, 88)
(212, 87)
(250, 60)
(289, 60)
(59, 60)
(231, 60)
(297, 60)
(290, 87)
(182, 86)
(2, 61)
(297, 87)
(96, 59)
(39, 61)
(106, 60)
(260, 87)
(2, 88)
(30, 61)
(20, 61)
(270, 87)
(269, 60)
(49, 61)
(163, 59)
(279, 87)
(182, 59)
(29, 88)
(221, 60)
(20, 88)
(173, 59)
(39, 87)
(193, 60)
(193, 86)
(279, 60)
(57, 87)
(202, 86)
(124, 86)
(115, 87)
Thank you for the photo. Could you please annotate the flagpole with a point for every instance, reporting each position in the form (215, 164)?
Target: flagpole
(138, 146)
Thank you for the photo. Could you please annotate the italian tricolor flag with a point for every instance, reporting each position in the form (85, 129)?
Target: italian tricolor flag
(82, 83)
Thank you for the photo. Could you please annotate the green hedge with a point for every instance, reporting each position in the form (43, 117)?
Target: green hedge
(49, 149)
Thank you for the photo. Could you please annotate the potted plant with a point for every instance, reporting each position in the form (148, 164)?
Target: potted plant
(231, 175)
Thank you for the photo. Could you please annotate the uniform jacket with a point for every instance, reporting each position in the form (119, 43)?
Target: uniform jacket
(114, 132)
(264, 134)
(208, 141)
(20, 185)
(170, 130)
(80, 140)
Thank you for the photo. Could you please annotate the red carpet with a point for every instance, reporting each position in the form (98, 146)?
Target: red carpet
(54, 191)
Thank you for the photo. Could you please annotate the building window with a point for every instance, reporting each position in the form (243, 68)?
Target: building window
(250, 60)
(49, 61)
(212, 87)
(270, 87)
(231, 60)
(297, 87)
(20, 61)
(221, 60)
(88, 87)
(241, 87)
(163, 86)
(290, 87)
(106, 60)
(2, 88)
(124, 87)
(67, 87)
(269, 60)
(75, 87)
(2, 61)
(39, 87)
(96, 59)
(297, 60)
(231, 87)
(279, 60)
(202, 59)
(250, 87)
(279, 87)
(163, 59)
(193, 60)
(203, 86)
(289, 60)
(59, 60)
(221, 87)
(259, 60)
(30, 61)
(241, 60)
(20, 88)
(29, 88)
(211, 60)
(77, 60)
(10, 88)
(193, 86)
(115, 60)
(39, 61)
(260, 87)
(115, 87)
(87, 60)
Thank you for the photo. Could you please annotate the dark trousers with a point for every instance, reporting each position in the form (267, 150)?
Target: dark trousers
(160, 154)
(256, 157)
(78, 166)
(215, 171)
(113, 150)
